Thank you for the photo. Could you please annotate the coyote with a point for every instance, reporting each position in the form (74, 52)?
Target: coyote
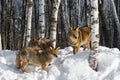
(40, 43)
(36, 57)
(79, 37)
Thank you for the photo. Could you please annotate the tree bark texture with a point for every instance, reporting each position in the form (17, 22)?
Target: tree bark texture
(42, 18)
(3, 25)
(54, 16)
(93, 58)
(29, 21)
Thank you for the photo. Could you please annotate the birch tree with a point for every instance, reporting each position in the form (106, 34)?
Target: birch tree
(55, 8)
(93, 58)
(29, 19)
(42, 18)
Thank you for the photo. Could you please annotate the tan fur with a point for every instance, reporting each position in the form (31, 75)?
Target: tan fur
(34, 43)
(40, 43)
(32, 56)
(79, 37)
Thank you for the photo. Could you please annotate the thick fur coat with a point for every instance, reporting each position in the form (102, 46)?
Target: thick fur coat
(79, 37)
(36, 57)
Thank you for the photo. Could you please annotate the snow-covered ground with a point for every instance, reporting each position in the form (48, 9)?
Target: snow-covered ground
(66, 67)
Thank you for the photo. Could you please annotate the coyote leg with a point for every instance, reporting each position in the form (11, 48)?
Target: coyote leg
(24, 65)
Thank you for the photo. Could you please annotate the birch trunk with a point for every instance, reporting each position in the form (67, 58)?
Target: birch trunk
(29, 19)
(54, 15)
(93, 58)
(41, 18)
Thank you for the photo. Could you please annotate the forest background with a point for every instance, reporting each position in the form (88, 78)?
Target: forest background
(71, 13)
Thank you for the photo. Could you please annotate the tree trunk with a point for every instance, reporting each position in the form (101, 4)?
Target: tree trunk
(65, 19)
(36, 15)
(10, 25)
(87, 13)
(48, 12)
(41, 18)
(73, 13)
(78, 14)
(3, 25)
(65, 15)
(29, 21)
(23, 23)
(0, 42)
(93, 58)
(116, 21)
(105, 28)
(115, 14)
(55, 8)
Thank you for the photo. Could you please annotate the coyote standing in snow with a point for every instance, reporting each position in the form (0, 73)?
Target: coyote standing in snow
(36, 57)
(79, 37)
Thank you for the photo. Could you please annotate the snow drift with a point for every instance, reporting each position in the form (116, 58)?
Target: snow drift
(66, 67)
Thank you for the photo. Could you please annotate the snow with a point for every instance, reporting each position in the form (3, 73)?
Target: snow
(66, 67)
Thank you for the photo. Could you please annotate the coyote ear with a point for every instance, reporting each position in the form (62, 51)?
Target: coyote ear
(39, 39)
(50, 48)
(77, 29)
(70, 28)
(58, 48)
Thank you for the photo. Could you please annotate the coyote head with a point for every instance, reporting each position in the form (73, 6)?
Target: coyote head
(54, 51)
(73, 35)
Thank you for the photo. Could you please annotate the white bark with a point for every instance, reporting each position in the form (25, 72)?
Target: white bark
(95, 35)
(55, 7)
(41, 18)
(29, 19)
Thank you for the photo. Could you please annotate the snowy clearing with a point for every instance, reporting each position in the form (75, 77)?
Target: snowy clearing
(66, 67)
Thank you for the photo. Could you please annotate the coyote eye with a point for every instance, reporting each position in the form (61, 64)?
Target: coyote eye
(75, 37)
